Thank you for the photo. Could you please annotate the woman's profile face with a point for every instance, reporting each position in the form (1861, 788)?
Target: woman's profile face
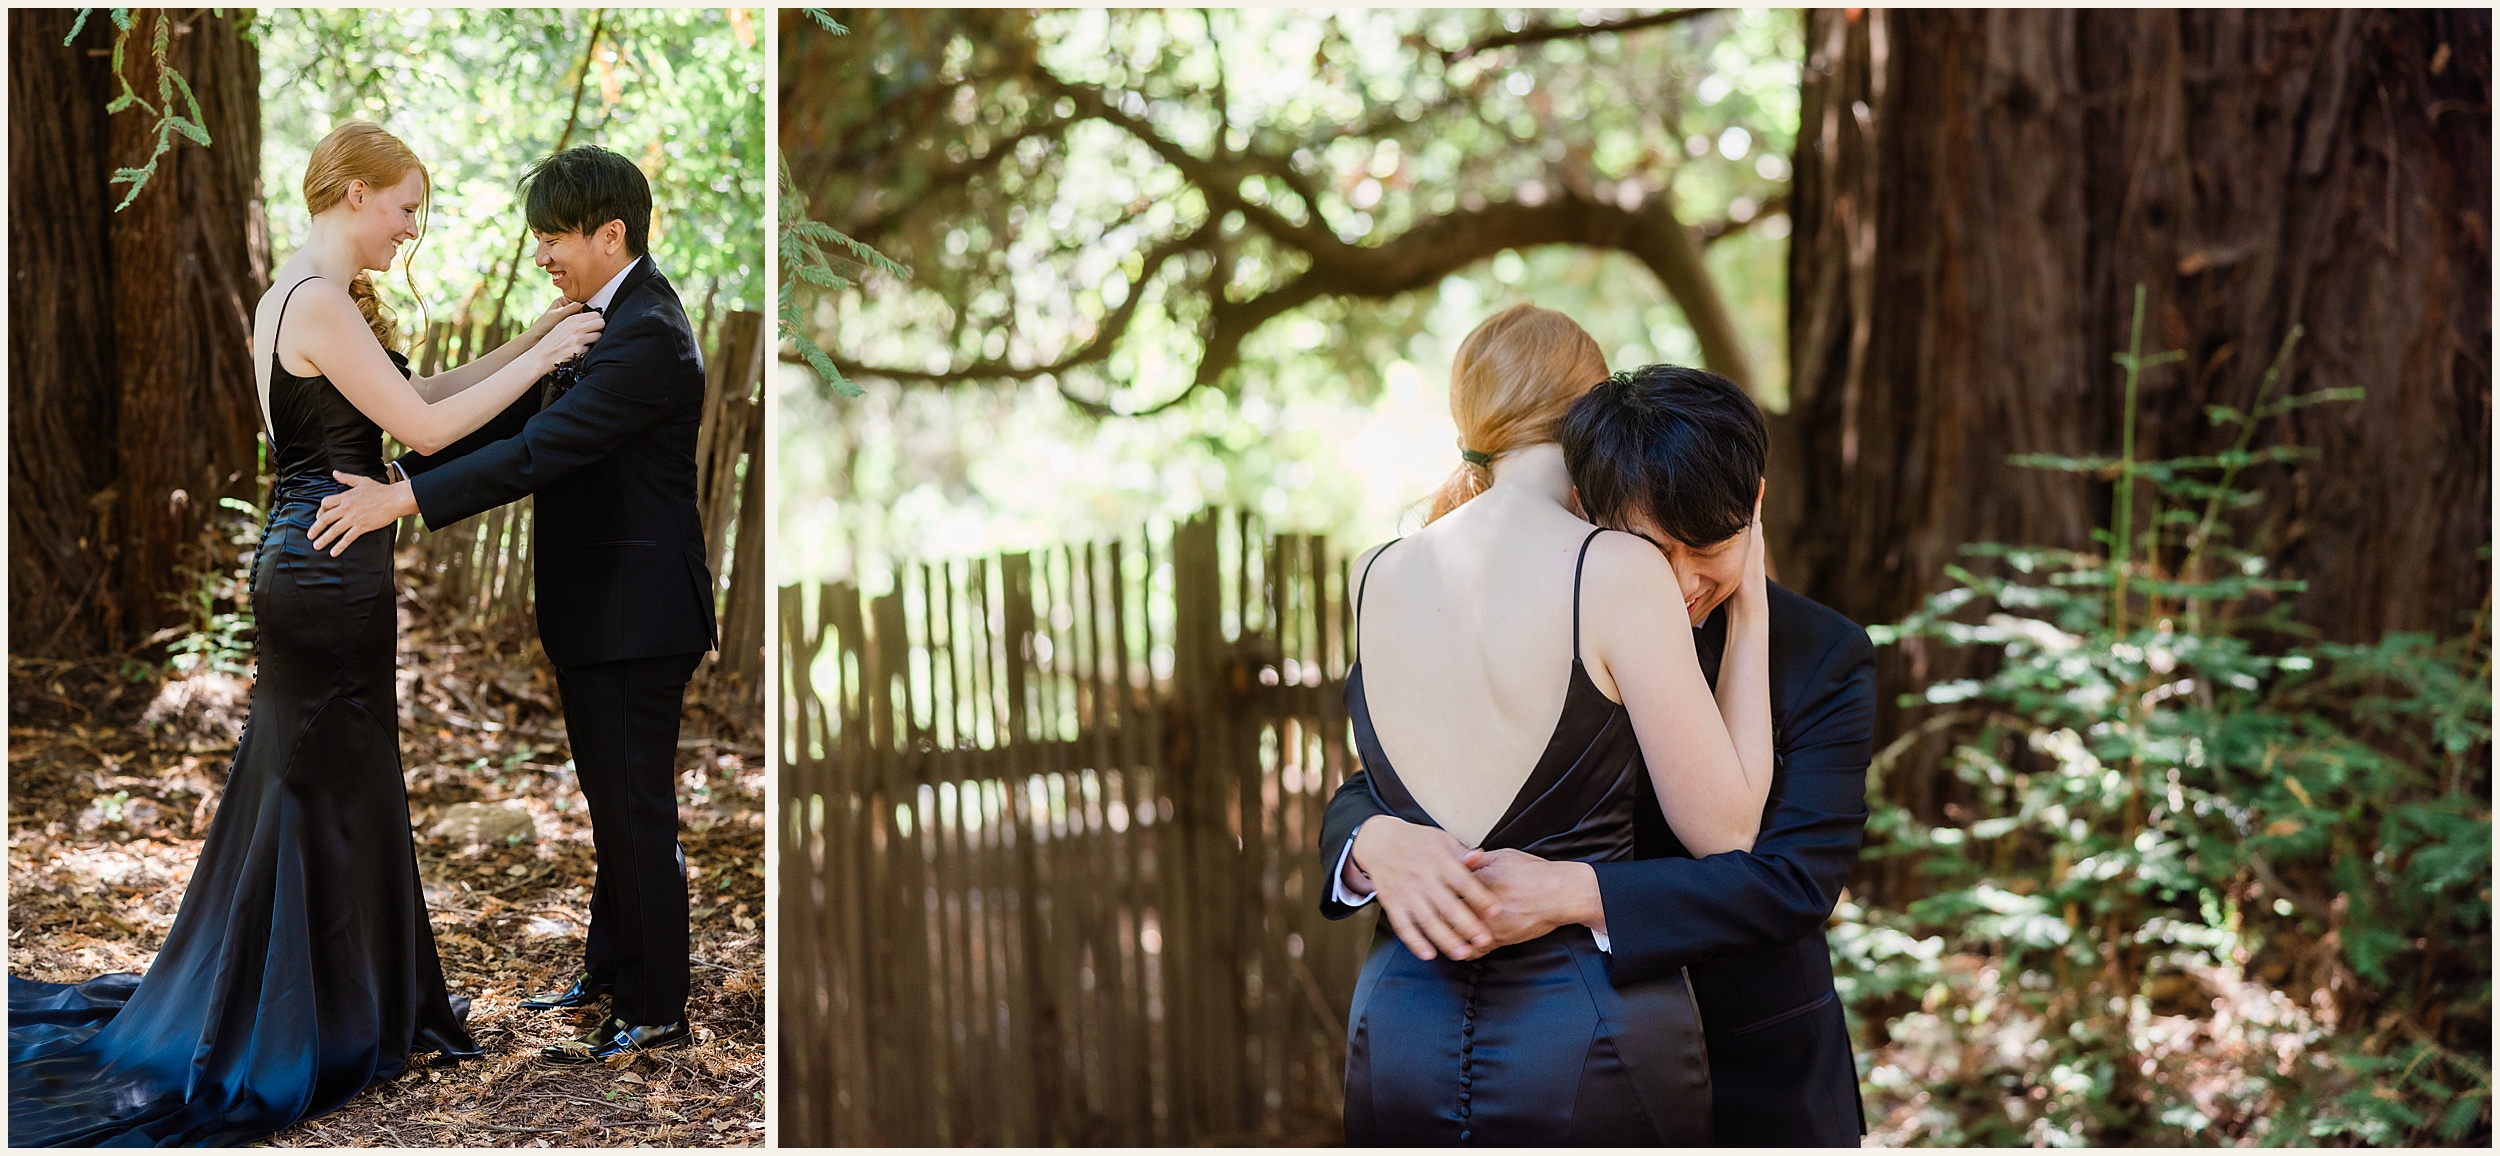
(386, 218)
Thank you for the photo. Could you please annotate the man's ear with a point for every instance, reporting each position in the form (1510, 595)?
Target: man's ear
(612, 234)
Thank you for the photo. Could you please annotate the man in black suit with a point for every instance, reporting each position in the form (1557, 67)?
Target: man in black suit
(1746, 926)
(607, 443)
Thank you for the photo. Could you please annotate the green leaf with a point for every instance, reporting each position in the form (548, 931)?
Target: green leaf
(824, 367)
(2072, 465)
(2462, 1115)
(188, 100)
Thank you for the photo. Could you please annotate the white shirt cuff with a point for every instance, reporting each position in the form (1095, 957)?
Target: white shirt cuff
(1336, 881)
(1337, 891)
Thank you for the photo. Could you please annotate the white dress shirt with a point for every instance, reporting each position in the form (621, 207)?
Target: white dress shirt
(606, 294)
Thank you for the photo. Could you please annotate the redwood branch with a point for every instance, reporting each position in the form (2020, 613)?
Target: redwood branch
(1541, 33)
(1219, 179)
(1416, 259)
(1094, 349)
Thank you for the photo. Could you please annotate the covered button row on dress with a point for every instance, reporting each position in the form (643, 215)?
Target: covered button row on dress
(1467, 1054)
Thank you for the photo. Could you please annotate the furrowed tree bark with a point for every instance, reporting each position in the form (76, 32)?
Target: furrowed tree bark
(62, 399)
(132, 399)
(1978, 193)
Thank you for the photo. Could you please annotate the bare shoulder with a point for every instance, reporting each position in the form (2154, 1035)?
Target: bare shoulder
(308, 288)
(1624, 566)
(1629, 608)
(318, 301)
(1360, 571)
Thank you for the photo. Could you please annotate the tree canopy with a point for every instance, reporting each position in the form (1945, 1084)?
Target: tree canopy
(481, 94)
(1232, 228)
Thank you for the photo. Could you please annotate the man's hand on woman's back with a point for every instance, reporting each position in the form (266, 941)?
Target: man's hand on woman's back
(1426, 885)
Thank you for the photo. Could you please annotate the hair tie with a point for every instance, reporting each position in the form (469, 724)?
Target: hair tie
(1474, 458)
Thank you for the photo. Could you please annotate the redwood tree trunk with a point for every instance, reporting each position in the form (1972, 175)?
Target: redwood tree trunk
(132, 401)
(1977, 195)
(62, 397)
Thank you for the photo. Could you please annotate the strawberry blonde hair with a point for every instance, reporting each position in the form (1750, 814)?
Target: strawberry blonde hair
(1513, 379)
(362, 151)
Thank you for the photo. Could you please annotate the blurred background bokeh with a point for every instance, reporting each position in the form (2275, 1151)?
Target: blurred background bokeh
(482, 94)
(1099, 334)
(2181, 810)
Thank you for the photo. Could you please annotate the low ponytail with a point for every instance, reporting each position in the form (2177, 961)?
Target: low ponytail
(1513, 379)
(1463, 484)
(377, 317)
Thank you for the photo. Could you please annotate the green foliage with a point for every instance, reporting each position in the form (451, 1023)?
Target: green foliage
(172, 120)
(481, 94)
(940, 139)
(2211, 881)
(215, 636)
(809, 252)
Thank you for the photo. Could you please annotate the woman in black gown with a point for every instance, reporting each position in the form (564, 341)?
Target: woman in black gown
(300, 967)
(1466, 631)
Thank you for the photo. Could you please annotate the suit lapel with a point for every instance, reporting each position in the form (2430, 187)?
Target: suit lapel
(644, 271)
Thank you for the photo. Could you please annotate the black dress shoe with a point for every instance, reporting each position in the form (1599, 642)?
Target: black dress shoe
(615, 1037)
(584, 990)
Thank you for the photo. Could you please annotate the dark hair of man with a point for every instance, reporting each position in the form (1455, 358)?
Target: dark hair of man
(583, 188)
(1685, 445)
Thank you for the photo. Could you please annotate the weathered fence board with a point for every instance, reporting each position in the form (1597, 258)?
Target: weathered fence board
(1046, 867)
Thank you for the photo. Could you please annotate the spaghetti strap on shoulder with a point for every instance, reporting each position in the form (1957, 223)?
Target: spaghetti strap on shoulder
(279, 326)
(1576, 569)
(1361, 584)
(1621, 1066)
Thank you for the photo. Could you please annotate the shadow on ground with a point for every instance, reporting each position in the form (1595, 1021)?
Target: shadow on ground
(113, 771)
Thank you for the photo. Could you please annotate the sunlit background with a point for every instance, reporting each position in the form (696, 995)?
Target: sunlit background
(1336, 418)
(481, 95)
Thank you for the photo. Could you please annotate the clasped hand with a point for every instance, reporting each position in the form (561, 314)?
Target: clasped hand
(1443, 897)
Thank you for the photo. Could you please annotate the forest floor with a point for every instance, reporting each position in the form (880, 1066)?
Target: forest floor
(114, 769)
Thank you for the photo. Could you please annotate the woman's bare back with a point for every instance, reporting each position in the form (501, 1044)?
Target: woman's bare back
(1466, 646)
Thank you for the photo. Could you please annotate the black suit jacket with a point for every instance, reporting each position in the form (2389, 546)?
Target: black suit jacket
(1747, 925)
(617, 536)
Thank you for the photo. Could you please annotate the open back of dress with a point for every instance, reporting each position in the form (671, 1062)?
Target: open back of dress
(1533, 1043)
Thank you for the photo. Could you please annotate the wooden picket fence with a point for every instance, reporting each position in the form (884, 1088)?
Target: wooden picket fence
(482, 565)
(1048, 831)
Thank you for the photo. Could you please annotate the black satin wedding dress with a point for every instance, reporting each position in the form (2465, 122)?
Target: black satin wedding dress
(1532, 1043)
(300, 967)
